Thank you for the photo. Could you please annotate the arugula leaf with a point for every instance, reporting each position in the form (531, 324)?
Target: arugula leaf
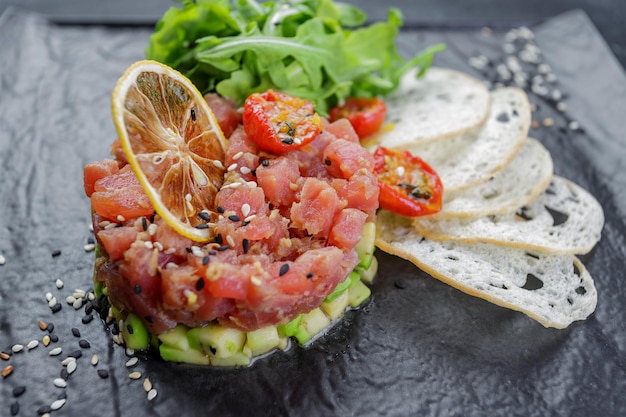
(316, 49)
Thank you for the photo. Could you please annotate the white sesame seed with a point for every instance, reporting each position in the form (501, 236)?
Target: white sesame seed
(17, 348)
(52, 302)
(60, 383)
(91, 296)
(230, 240)
(130, 352)
(147, 384)
(89, 247)
(77, 304)
(104, 223)
(245, 170)
(94, 360)
(152, 229)
(70, 299)
(110, 226)
(561, 106)
(237, 155)
(3, 260)
(158, 245)
(196, 251)
(256, 281)
(91, 227)
(134, 375)
(71, 367)
(148, 244)
(218, 163)
(55, 352)
(231, 167)
(152, 394)
(121, 218)
(117, 339)
(58, 283)
(573, 125)
(32, 344)
(132, 362)
(79, 293)
(250, 218)
(48, 296)
(67, 360)
(171, 265)
(57, 404)
(251, 184)
(170, 251)
(245, 209)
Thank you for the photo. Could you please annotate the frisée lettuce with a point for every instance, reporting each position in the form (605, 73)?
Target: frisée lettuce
(319, 50)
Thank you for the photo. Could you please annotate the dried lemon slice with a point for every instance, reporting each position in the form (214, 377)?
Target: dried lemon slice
(173, 143)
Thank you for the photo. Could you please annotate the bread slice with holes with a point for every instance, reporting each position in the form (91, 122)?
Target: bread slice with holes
(442, 104)
(555, 290)
(518, 184)
(564, 219)
(473, 158)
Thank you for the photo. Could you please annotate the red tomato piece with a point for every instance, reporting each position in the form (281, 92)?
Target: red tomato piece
(365, 114)
(278, 123)
(408, 185)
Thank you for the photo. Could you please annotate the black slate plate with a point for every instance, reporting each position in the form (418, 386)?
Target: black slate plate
(418, 348)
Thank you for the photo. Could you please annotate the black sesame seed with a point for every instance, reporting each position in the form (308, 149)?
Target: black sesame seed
(76, 354)
(253, 172)
(56, 308)
(234, 218)
(84, 344)
(503, 117)
(193, 115)
(206, 260)
(202, 226)
(246, 245)
(283, 269)
(137, 289)
(50, 327)
(212, 252)
(218, 239)
(188, 250)
(245, 223)
(103, 373)
(62, 396)
(87, 319)
(309, 275)
(144, 224)
(54, 338)
(327, 161)
(220, 209)
(56, 253)
(399, 283)
(152, 216)
(89, 307)
(200, 283)
(213, 349)
(223, 248)
(44, 409)
(129, 329)
(149, 319)
(287, 141)
(64, 374)
(265, 162)
(15, 408)
(75, 332)
(91, 240)
(19, 390)
(204, 216)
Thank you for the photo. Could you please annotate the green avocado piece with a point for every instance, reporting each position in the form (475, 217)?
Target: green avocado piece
(135, 333)
(367, 245)
(171, 354)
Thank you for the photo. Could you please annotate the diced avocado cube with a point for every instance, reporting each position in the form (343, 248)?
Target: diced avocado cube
(367, 245)
(135, 333)
(343, 286)
(336, 307)
(218, 341)
(192, 356)
(176, 338)
(315, 321)
(290, 329)
(262, 340)
(241, 358)
(367, 275)
(358, 293)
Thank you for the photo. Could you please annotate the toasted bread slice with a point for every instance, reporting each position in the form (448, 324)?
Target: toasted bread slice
(555, 290)
(442, 104)
(518, 184)
(565, 219)
(474, 157)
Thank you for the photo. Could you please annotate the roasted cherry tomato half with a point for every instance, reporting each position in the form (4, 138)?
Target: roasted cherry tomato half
(365, 114)
(408, 185)
(278, 123)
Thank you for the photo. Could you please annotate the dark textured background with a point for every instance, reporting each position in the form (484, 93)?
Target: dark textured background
(418, 348)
